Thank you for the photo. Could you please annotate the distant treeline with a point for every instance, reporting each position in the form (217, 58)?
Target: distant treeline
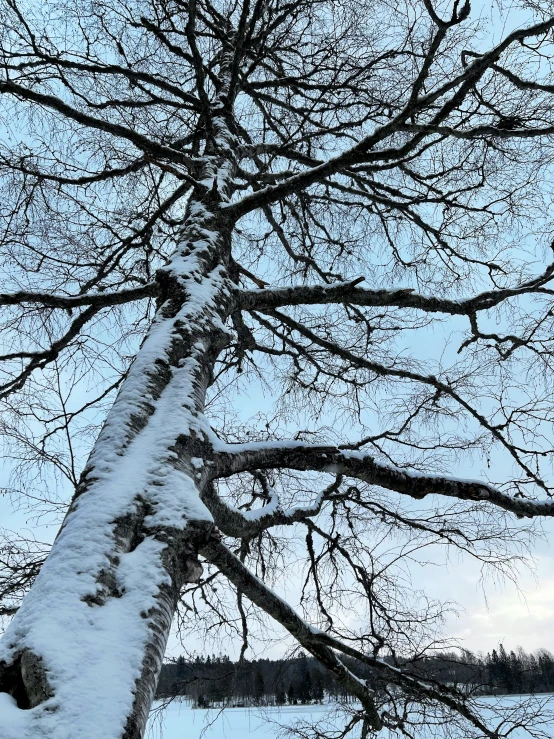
(213, 680)
(218, 681)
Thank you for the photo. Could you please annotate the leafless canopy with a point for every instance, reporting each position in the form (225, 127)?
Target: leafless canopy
(345, 204)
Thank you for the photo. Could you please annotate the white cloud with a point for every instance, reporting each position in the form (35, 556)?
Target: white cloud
(516, 616)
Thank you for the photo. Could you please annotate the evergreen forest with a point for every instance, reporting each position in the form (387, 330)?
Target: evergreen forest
(208, 681)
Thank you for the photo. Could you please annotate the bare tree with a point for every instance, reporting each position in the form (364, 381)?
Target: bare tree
(349, 202)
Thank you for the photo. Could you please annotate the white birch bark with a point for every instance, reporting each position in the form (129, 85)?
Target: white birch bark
(96, 622)
(82, 656)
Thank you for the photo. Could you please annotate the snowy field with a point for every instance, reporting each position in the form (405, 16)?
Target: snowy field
(179, 721)
(182, 722)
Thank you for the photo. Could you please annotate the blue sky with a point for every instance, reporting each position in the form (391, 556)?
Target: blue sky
(492, 611)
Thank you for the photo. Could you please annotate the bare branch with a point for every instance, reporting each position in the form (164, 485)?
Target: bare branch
(348, 292)
(98, 299)
(298, 456)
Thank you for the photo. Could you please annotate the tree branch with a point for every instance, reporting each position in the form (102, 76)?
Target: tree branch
(235, 458)
(144, 143)
(258, 593)
(233, 522)
(321, 645)
(360, 151)
(401, 373)
(97, 299)
(348, 292)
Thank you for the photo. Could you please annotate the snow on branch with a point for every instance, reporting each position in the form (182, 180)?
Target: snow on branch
(349, 292)
(249, 524)
(298, 456)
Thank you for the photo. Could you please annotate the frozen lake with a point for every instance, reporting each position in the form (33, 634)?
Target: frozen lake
(179, 721)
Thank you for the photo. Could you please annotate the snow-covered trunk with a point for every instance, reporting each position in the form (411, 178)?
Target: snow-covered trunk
(81, 658)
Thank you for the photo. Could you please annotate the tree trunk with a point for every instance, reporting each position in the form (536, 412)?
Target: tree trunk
(82, 655)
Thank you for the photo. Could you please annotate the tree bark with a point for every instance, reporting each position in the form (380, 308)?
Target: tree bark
(135, 524)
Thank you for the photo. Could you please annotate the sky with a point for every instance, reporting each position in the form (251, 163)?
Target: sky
(491, 611)
(497, 612)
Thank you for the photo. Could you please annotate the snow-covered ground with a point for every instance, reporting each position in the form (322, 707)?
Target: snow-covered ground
(180, 721)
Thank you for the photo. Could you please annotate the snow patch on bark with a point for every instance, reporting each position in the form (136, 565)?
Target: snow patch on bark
(93, 688)
(59, 621)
